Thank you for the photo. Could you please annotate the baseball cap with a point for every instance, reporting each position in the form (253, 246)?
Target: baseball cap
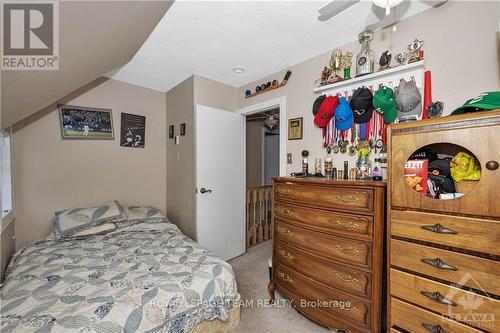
(385, 102)
(325, 111)
(343, 115)
(361, 105)
(317, 103)
(408, 100)
(485, 101)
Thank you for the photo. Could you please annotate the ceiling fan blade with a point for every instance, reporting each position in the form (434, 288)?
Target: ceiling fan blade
(333, 8)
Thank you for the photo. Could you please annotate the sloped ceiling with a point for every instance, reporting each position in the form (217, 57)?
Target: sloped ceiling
(95, 37)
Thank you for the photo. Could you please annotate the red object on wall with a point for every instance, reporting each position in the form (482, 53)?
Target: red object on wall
(427, 93)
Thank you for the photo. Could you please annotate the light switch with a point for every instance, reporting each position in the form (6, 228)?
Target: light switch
(289, 158)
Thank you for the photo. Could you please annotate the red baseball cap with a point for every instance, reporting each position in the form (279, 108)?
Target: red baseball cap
(325, 112)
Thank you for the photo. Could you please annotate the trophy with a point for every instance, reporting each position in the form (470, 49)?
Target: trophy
(385, 60)
(415, 52)
(365, 59)
(335, 65)
(325, 76)
(345, 62)
(401, 58)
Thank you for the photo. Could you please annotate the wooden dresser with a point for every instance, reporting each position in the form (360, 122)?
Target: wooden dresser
(443, 255)
(328, 250)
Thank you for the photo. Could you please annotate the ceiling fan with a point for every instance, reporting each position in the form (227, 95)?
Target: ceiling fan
(269, 119)
(338, 6)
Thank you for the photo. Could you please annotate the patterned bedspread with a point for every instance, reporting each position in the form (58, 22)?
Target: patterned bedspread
(147, 277)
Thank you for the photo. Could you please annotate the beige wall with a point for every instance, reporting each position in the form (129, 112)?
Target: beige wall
(181, 176)
(462, 55)
(180, 158)
(52, 174)
(6, 247)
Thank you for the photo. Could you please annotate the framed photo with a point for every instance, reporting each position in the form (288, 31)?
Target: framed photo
(171, 131)
(295, 128)
(79, 122)
(133, 131)
(183, 129)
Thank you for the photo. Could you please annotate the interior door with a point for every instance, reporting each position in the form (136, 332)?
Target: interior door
(220, 177)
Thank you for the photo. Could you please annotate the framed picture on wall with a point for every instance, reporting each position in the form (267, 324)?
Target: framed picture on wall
(133, 131)
(84, 123)
(295, 128)
(183, 129)
(171, 131)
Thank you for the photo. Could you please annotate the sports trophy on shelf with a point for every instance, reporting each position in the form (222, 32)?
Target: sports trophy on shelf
(416, 53)
(335, 65)
(345, 63)
(365, 60)
(401, 58)
(385, 60)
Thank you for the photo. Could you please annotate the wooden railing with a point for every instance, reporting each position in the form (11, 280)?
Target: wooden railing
(259, 223)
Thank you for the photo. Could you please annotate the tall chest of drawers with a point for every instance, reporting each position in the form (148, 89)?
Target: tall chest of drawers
(443, 255)
(328, 250)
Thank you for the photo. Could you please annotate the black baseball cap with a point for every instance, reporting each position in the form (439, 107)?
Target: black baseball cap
(361, 105)
(317, 103)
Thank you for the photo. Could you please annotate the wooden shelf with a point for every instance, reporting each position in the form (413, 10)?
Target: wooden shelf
(414, 70)
(276, 86)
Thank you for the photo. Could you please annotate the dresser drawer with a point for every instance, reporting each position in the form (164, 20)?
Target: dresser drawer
(460, 304)
(333, 222)
(331, 247)
(468, 233)
(325, 196)
(322, 317)
(332, 274)
(316, 295)
(417, 320)
(450, 266)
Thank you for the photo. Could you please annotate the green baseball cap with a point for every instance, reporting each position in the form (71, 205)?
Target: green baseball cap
(485, 101)
(385, 102)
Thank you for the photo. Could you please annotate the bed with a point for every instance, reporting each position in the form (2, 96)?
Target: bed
(143, 277)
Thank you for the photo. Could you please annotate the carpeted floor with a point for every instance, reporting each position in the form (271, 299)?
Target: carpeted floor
(252, 276)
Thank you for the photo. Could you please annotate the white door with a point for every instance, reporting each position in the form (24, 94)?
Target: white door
(220, 177)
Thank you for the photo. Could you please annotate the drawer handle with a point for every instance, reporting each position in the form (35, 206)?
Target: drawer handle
(438, 263)
(283, 211)
(286, 232)
(284, 191)
(433, 328)
(438, 298)
(347, 198)
(285, 277)
(347, 225)
(347, 279)
(350, 250)
(438, 228)
(286, 255)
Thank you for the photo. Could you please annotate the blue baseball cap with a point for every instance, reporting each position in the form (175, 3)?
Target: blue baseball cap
(343, 115)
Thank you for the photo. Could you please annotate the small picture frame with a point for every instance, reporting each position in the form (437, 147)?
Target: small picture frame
(295, 128)
(171, 131)
(183, 129)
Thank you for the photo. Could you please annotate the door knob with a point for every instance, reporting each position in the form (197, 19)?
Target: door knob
(204, 190)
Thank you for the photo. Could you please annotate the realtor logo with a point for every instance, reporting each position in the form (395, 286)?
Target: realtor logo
(465, 305)
(30, 36)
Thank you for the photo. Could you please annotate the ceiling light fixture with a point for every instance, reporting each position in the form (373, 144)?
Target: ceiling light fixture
(271, 122)
(238, 69)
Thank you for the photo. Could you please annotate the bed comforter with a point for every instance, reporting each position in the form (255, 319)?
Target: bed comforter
(146, 277)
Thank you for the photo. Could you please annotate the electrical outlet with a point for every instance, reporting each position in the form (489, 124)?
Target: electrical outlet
(289, 158)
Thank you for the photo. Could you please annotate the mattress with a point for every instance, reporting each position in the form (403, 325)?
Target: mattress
(147, 277)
